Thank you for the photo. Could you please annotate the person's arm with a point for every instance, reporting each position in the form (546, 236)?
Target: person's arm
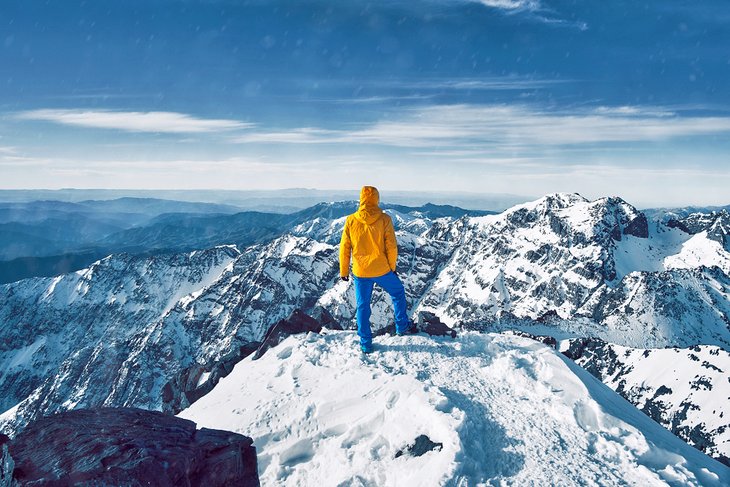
(391, 246)
(345, 250)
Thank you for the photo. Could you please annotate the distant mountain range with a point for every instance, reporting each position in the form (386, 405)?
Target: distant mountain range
(45, 238)
(272, 201)
(129, 329)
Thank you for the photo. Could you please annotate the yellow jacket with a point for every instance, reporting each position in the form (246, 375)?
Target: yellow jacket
(370, 237)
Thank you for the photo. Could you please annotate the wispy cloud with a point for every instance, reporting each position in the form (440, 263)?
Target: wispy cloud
(507, 126)
(535, 8)
(428, 85)
(511, 4)
(501, 4)
(155, 122)
(306, 135)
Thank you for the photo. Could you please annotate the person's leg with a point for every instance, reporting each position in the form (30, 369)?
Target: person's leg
(393, 286)
(363, 293)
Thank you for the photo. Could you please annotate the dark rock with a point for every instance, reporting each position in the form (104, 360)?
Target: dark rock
(186, 387)
(298, 322)
(638, 227)
(548, 317)
(130, 447)
(427, 323)
(421, 446)
(546, 339)
(386, 330)
(673, 223)
(708, 365)
(7, 465)
(616, 233)
(325, 318)
(578, 347)
(431, 324)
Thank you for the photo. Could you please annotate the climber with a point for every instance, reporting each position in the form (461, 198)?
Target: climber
(370, 237)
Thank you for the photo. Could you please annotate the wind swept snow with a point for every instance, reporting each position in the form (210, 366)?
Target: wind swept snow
(508, 410)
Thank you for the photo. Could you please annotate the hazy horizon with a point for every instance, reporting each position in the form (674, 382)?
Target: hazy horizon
(295, 198)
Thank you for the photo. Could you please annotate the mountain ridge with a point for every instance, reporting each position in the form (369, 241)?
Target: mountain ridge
(543, 267)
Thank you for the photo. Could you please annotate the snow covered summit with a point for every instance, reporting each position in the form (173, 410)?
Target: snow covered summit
(506, 409)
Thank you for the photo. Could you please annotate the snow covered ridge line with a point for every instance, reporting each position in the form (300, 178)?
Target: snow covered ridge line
(120, 333)
(641, 284)
(685, 390)
(505, 409)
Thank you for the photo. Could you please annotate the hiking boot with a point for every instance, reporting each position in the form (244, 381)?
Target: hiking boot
(366, 348)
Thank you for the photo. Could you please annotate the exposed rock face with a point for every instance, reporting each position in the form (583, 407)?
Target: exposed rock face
(638, 227)
(432, 325)
(194, 382)
(716, 224)
(298, 322)
(131, 447)
(427, 323)
(325, 318)
(7, 465)
(547, 340)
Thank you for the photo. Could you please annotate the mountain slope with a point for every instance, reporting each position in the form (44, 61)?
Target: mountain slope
(130, 329)
(687, 390)
(67, 340)
(598, 263)
(505, 409)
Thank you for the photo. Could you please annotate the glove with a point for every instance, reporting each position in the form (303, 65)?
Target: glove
(345, 278)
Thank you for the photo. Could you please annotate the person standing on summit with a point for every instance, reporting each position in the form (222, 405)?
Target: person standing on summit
(370, 237)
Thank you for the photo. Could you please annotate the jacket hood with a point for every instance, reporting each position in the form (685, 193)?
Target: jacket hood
(369, 211)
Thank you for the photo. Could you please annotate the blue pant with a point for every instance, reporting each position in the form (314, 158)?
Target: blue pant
(363, 293)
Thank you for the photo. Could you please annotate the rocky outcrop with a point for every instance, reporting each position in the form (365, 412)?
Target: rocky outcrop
(195, 381)
(426, 322)
(547, 340)
(298, 322)
(431, 324)
(131, 447)
(638, 227)
(716, 224)
(325, 318)
(7, 465)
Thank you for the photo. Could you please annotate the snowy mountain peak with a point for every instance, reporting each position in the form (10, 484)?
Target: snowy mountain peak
(571, 215)
(503, 408)
(555, 201)
(145, 331)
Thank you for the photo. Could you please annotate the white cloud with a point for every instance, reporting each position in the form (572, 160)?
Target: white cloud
(503, 4)
(495, 83)
(306, 135)
(511, 4)
(507, 127)
(155, 122)
(533, 8)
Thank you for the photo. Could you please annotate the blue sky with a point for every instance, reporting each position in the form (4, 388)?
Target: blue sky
(515, 96)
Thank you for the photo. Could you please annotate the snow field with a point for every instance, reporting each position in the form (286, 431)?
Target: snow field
(508, 410)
